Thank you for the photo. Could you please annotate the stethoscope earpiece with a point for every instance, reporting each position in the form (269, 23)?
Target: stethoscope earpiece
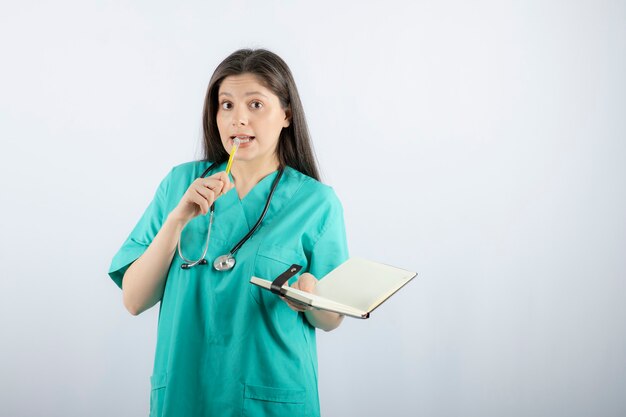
(200, 262)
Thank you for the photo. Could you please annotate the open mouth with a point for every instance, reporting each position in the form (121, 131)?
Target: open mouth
(242, 138)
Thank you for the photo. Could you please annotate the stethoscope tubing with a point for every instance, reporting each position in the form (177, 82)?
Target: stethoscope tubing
(260, 220)
(202, 261)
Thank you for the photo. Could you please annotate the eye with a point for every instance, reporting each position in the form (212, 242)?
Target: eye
(256, 105)
(226, 105)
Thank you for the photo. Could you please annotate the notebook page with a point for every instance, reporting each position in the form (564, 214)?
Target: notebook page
(362, 284)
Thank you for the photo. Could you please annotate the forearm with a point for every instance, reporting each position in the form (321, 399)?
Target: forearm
(325, 320)
(144, 280)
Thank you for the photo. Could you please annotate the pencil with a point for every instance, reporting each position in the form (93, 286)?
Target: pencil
(232, 154)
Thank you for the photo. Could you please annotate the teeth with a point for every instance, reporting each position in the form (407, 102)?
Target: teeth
(243, 139)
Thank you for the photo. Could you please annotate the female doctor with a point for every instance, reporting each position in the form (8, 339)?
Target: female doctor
(224, 346)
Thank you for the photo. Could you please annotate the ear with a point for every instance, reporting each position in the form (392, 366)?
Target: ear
(287, 121)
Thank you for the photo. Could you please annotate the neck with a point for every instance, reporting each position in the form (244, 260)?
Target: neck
(247, 174)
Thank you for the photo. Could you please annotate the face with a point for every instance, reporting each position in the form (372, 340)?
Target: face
(248, 109)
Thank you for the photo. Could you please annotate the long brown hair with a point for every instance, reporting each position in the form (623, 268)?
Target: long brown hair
(294, 145)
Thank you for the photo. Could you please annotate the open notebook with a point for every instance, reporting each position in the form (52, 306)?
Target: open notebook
(355, 288)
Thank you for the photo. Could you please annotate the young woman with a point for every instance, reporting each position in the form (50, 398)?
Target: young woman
(226, 347)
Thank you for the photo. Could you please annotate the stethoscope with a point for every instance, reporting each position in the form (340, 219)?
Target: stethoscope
(227, 262)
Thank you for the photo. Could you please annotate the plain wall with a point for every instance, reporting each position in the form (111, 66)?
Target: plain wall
(481, 144)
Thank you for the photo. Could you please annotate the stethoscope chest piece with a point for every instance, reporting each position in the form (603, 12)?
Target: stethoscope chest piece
(224, 262)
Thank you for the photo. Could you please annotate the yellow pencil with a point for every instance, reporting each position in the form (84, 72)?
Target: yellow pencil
(236, 142)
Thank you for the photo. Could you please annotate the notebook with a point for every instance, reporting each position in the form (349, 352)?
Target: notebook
(355, 288)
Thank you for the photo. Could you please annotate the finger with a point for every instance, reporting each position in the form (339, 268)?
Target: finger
(302, 307)
(307, 282)
(296, 309)
(209, 194)
(201, 201)
(212, 184)
(297, 306)
(224, 179)
(294, 305)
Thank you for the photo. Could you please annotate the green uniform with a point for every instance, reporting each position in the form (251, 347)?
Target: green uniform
(226, 347)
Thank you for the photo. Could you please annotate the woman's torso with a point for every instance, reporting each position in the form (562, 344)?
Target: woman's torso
(226, 347)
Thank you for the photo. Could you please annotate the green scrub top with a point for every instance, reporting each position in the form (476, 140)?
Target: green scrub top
(224, 346)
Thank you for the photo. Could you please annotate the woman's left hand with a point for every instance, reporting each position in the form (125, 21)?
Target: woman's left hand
(325, 320)
(306, 282)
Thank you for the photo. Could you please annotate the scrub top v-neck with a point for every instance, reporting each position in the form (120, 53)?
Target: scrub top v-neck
(224, 346)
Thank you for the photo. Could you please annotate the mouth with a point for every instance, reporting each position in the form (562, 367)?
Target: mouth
(242, 138)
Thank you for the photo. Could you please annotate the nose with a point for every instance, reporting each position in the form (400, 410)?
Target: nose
(239, 118)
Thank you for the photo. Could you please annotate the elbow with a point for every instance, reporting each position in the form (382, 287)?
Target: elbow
(136, 306)
(131, 305)
(137, 298)
(337, 322)
(329, 327)
(133, 309)
(129, 296)
(325, 321)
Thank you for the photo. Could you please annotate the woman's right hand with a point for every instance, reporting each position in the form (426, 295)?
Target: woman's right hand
(200, 195)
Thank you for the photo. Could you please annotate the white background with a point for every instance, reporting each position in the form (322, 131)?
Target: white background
(479, 143)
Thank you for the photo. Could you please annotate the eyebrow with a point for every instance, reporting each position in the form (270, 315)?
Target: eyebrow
(250, 93)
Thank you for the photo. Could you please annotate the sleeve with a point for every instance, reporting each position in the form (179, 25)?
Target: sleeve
(142, 235)
(331, 248)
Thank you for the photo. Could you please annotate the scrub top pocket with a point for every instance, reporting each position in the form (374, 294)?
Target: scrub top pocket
(270, 262)
(158, 383)
(273, 402)
(278, 317)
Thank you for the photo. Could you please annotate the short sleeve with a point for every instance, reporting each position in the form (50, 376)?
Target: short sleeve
(142, 235)
(331, 249)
